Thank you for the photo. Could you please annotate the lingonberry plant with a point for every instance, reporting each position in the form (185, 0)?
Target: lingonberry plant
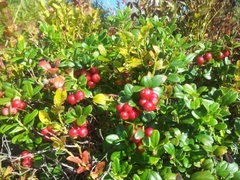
(121, 99)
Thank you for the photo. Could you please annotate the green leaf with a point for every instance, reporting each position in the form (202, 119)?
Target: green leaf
(4, 101)
(149, 174)
(28, 119)
(155, 138)
(202, 175)
(158, 80)
(128, 88)
(146, 82)
(136, 177)
(220, 150)
(170, 149)
(87, 110)
(229, 98)
(116, 166)
(78, 110)
(205, 139)
(102, 50)
(139, 134)
(173, 78)
(81, 120)
(189, 89)
(16, 130)
(236, 176)
(37, 89)
(28, 88)
(112, 138)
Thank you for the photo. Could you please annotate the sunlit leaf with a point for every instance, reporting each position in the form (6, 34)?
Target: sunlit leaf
(44, 117)
(60, 97)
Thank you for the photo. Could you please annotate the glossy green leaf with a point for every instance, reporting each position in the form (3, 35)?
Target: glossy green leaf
(157, 80)
(229, 98)
(146, 81)
(87, 110)
(112, 138)
(205, 139)
(150, 175)
(29, 118)
(28, 89)
(128, 88)
(173, 78)
(170, 149)
(155, 138)
(202, 175)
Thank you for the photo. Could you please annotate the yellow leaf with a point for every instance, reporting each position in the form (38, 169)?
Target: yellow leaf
(44, 117)
(60, 97)
(59, 143)
(100, 99)
(102, 50)
(7, 171)
(124, 52)
(134, 62)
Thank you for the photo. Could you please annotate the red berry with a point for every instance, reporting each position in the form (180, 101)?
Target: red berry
(200, 60)
(22, 105)
(5, 111)
(1, 94)
(47, 133)
(16, 103)
(27, 155)
(27, 163)
(71, 99)
(146, 93)
(220, 56)
(127, 108)
(82, 131)
(94, 70)
(207, 56)
(142, 101)
(124, 115)
(88, 76)
(119, 107)
(154, 98)
(96, 78)
(79, 95)
(226, 53)
(133, 114)
(13, 111)
(149, 106)
(73, 133)
(82, 71)
(91, 84)
(148, 131)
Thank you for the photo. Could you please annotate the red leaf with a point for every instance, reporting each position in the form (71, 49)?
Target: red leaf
(85, 156)
(58, 82)
(45, 65)
(98, 170)
(81, 169)
(74, 159)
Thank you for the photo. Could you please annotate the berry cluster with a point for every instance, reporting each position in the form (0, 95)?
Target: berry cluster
(13, 107)
(92, 75)
(127, 112)
(76, 130)
(27, 159)
(76, 97)
(47, 133)
(147, 132)
(208, 56)
(149, 99)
